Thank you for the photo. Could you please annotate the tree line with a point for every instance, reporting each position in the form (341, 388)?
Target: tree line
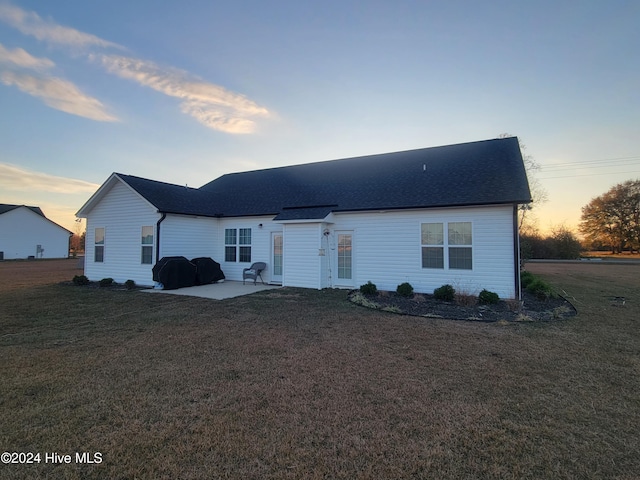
(609, 222)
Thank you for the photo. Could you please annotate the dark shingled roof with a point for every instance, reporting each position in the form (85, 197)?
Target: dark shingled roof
(170, 198)
(477, 173)
(4, 208)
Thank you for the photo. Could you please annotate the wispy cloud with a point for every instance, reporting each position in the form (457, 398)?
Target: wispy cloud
(30, 23)
(20, 179)
(59, 94)
(19, 57)
(210, 104)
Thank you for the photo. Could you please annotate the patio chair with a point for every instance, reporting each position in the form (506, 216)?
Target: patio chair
(254, 271)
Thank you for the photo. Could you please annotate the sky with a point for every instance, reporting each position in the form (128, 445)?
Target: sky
(184, 92)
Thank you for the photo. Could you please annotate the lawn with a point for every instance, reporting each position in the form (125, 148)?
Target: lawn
(295, 383)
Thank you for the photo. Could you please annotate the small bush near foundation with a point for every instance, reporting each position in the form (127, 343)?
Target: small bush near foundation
(445, 292)
(540, 289)
(130, 284)
(405, 289)
(487, 298)
(369, 288)
(80, 280)
(106, 282)
(526, 278)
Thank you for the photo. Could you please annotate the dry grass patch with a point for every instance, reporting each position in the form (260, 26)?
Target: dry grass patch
(264, 387)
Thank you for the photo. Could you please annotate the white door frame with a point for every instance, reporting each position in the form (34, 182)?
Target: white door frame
(343, 282)
(275, 278)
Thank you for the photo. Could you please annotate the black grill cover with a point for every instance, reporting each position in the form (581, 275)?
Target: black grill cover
(174, 272)
(208, 270)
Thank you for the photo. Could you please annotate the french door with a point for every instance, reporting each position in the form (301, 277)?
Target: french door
(344, 258)
(276, 257)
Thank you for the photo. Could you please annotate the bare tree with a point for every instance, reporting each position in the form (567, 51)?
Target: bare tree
(538, 193)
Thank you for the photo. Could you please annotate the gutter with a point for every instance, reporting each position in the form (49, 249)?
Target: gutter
(516, 253)
(164, 215)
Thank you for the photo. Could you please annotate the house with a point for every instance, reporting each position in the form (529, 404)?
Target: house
(431, 216)
(26, 232)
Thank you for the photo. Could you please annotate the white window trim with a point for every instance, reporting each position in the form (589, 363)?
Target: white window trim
(446, 245)
(103, 244)
(237, 245)
(143, 245)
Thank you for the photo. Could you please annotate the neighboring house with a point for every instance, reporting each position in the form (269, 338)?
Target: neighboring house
(428, 217)
(25, 232)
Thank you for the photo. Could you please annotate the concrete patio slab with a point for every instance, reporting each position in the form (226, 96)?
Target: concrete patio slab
(218, 291)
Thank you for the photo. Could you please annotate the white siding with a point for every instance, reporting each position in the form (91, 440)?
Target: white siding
(387, 249)
(260, 245)
(302, 263)
(190, 237)
(122, 213)
(22, 230)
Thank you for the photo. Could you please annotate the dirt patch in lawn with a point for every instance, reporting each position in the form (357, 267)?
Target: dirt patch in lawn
(16, 274)
(530, 308)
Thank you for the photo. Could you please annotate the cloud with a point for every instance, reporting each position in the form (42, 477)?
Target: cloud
(212, 105)
(30, 23)
(23, 59)
(59, 94)
(19, 179)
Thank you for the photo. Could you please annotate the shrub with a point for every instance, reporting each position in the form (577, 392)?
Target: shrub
(80, 280)
(404, 289)
(486, 297)
(130, 284)
(105, 282)
(540, 289)
(369, 288)
(445, 292)
(526, 278)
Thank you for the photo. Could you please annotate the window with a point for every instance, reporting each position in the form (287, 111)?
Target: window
(245, 245)
(237, 245)
(98, 249)
(432, 245)
(460, 234)
(230, 240)
(147, 246)
(457, 245)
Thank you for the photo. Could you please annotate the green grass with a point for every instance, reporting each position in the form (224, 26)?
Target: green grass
(296, 383)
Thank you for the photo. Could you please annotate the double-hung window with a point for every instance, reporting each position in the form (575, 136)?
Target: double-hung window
(449, 244)
(244, 238)
(98, 249)
(459, 235)
(237, 245)
(432, 239)
(146, 255)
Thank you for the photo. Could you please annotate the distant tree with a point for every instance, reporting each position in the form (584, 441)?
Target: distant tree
(613, 218)
(562, 243)
(538, 192)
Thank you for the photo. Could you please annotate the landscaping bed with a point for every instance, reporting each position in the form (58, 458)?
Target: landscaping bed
(531, 308)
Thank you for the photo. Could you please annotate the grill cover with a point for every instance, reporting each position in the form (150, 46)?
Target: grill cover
(208, 270)
(174, 272)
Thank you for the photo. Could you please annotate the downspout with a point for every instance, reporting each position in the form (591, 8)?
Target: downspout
(164, 215)
(516, 252)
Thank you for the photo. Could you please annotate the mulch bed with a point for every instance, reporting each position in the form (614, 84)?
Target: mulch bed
(424, 305)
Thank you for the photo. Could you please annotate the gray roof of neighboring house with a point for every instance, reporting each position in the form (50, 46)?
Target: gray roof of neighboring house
(4, 208)
(477, 173)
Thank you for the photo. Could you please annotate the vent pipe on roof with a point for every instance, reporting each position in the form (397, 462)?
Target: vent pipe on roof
(424, 167)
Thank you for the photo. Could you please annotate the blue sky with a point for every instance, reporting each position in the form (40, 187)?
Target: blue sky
(184, 92)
